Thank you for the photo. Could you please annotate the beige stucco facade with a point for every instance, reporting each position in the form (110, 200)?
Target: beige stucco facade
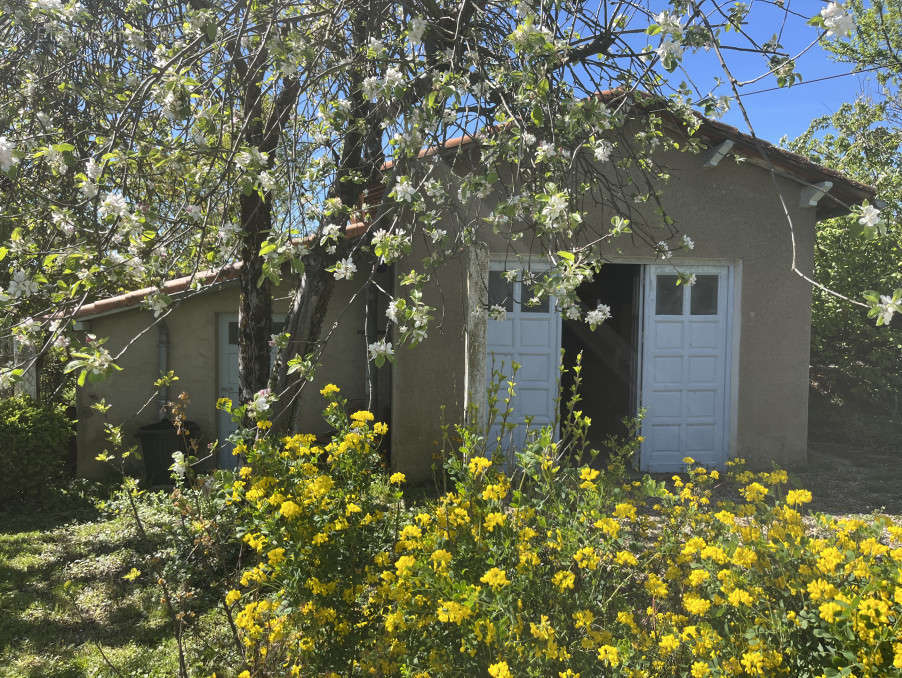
(731, 211)
(193, 354)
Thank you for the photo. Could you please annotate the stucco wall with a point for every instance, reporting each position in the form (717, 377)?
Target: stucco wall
(731, 212)
(735, 217)
(193, 357)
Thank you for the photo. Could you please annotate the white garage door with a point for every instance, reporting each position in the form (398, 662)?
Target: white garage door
(685, 368)
(531, 336)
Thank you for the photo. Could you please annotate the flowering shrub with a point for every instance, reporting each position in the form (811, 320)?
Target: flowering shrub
(561, 570)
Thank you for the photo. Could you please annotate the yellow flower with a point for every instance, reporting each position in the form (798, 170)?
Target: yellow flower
(380, 428)
(738, 597)
(624, 510)
(289, 509)
(500, 670)
(329, 389)
(753, 492)
(610, 654)
(700, 670)
(224, 404)
(625, 558)
(795, 497)
(495, 578)
(276, 556)
(264, 424)
(753, 662)
(697, 577)
(696, 605)
(478, 464)
(492, 520)
(563, 579)
(404, 565)
(440, 559)
(232, 597)
(244, 674)
(362, 416)
(829, 559)
(669, 643)
(451, 611)
(397, 478)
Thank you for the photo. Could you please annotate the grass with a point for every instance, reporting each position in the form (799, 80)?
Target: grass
(65, 608)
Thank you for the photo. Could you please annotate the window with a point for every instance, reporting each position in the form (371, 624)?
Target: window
(501, 292)
(668, 296)
(704, 295)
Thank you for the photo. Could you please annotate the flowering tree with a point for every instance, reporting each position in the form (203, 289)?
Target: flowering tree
(863, 139)
(142, 141)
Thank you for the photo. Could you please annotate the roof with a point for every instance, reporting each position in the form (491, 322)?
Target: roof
(844, 192)
(178, 286)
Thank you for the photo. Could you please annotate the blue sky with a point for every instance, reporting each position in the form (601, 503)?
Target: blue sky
(785, 110)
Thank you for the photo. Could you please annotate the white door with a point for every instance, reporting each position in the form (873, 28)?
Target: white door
(684, 367)
(228, 384)
(531, 336)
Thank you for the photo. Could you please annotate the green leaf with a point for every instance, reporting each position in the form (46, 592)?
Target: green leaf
(567, 255)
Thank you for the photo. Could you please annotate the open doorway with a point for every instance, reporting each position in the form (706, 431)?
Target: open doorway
(610, 353)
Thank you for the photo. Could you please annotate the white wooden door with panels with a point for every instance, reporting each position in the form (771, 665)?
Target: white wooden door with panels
(685, 367)
(531, 336)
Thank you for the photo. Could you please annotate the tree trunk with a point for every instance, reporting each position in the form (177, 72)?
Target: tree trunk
(305, 323)
(255, 303)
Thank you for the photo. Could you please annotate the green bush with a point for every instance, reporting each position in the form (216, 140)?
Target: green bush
(34, 442)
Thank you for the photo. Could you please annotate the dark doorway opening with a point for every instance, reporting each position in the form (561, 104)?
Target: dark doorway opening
(610, 353)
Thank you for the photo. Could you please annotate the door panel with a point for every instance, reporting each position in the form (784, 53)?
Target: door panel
(529, 335)
(685, 356)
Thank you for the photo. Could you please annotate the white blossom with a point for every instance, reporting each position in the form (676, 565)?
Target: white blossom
(837, 20)
(555, 208)
(380, 349)
(391, 312)
(688, 242)
(194, 212)
(344, 269)
(267, 181)
(393, 78)
(545, 150)
(375, 46)
(598, 315)
(437, 234)
(603, 150)
(93, 169)
(663, 250)
(179, 467)
(416, 29)
(63, 222)
(529, 138)
(372, 86)
(669, 48)
(669, 22)
(870, 216)
(88, 189)
(259, 404)
(7, 159)
(157, 302)
(888, 307)
(404, 191)
(113, 205)
(20, 285)
(497, 312)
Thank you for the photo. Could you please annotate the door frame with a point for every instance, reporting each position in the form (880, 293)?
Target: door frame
(732, 320)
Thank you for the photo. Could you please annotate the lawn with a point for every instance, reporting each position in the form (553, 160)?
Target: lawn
(66, 608)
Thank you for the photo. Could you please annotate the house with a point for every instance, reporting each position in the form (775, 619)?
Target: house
(721, 366)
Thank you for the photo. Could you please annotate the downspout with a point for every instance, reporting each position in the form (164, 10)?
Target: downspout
(163, 367)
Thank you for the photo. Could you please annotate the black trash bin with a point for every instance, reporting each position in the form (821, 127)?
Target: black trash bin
(158, 442)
